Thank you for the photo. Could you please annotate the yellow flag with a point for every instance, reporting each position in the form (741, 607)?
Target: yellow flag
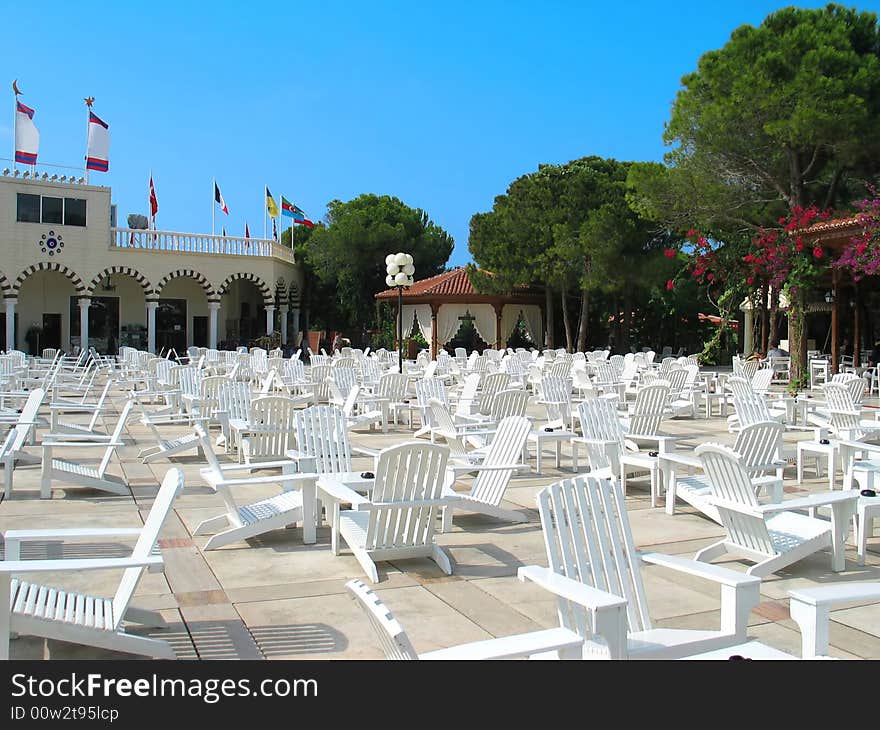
(270, 204)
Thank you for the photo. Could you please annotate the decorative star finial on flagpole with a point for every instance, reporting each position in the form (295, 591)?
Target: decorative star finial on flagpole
(89, 100)
(15, 88)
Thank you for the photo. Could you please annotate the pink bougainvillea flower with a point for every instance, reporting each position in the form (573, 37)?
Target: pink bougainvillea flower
(669, 253)
(692, 232)
(818, 252)
(670, 284)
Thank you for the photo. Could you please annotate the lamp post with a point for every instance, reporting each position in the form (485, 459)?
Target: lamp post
(399, 271)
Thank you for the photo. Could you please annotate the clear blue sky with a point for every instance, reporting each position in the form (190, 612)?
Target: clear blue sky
(440, 104)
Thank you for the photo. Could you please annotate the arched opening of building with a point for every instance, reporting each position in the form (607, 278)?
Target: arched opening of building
(182, 315)
(242, 314)
(117, 314)
(44, 315)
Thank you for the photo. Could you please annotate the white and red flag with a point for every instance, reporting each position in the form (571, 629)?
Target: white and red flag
(27, 138)
(98, 152)
(154, 202)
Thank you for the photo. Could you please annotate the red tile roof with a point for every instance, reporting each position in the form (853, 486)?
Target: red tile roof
(455, 282)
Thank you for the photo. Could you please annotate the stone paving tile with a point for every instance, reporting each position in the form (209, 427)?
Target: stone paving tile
(273, 597)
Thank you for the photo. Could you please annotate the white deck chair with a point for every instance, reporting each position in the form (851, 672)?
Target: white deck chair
(54, 613)
(396, 644)
(648, 411)
(759, 444)
(772, 536)
(96, 409)
(501, 461)
(595, 570)
(270, 429)
(164, 447)
(23, 426)
(490, 386)
(398, 520)
(69, 472)
(428, 388)
(242, 521)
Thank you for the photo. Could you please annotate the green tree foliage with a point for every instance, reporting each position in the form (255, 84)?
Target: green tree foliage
(785, 115)
(347, 255)
(569, 228)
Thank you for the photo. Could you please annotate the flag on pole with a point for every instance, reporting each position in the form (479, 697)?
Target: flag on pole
(98, 152)
(271, 205)
(27, 138)
(294, 211)
(274, 230)
(223, 231)
(247, 232)
(154, 202)
(219, 198)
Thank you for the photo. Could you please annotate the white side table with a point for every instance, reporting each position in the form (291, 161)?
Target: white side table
(645, 462)
(867, 511)
(539, 437)
(818, 450)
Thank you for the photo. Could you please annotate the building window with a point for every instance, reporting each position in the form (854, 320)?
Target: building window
(28, 208)
(74, 212)
(45, 209)
(53, 210)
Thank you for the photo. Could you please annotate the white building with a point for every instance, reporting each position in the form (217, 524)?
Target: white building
(65, 269)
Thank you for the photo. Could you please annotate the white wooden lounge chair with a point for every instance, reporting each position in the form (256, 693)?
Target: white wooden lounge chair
(396, 644)
(772, 536)
(55, 613)
(398, 520)
(241, 521)
(164, 447)
(595, 573)
(69, 472)
(493, 474)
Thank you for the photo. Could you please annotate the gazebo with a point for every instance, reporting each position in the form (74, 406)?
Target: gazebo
(440, 303)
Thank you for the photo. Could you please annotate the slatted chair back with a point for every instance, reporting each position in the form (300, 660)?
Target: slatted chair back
(639, 360)
(761, 380)
(857, 387)
(506, 448)
(319, 360)
(318, 375)
(677, 380)
(393, 386)
(430, 370)
(667, 364)
(559, 368)
(393, 640)
(369, 372)
(648, 410)
(343, 362)
(99, 406)
(510, 402)
(116, 436)
(234, 399)
(344, 377)
(406, 497)
(428, 388)
(322, 432)
(293, 371)
(588, 539)
(259, 360)
(515, 368)
(606, 375)
(171, 486)
(556, 399)
(275, 363)
(739, 386)
(844, 413)
(461, 352)
(491, 384)
(750, 408)
(732, 486)
(209, 389)
(618, 361)
(759, 442)
(599, 422)
(581, 380)
(444, 426)
(271, 426)
(27, 418)
(186, 377)
(468, 395)
(649, 357)
(749, 368)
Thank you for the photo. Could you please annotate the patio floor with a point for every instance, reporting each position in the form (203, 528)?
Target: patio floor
(275, 598)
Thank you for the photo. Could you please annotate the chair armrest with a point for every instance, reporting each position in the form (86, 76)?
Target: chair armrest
(809, 608)
(493, 467)
(810, 501)
(570, 589)
(341, 493)
(79, 444)
(715, 573)
(27, 535)
(153, 562)
(837, 593)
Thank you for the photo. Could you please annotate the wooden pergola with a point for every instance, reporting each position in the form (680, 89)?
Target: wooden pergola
(833, 236)
(455, 288)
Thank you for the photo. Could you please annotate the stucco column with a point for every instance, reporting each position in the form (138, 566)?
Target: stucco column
(749, 334)
(213, 311)
(151, 326)
(84, 305)
(10, 323)
(283, 309)
(270, 319)
(295, 326)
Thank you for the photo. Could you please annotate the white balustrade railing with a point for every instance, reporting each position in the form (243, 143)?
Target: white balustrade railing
(145, 240)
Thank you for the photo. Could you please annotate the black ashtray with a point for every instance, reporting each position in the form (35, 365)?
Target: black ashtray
(548, 429)
(824, 442)
(738, 658)
(653, 453)
(406, 400)
(868, 493)
(367, 475)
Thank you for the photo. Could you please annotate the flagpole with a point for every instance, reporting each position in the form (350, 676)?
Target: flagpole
(213, 203)
(150, 202)
(88, 110)
(265, 206)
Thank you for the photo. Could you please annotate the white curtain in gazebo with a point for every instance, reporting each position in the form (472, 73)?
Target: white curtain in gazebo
(408, 313)
(423, 313)
(532, 315)
(448, 322)
(484, 321)
(509, 318)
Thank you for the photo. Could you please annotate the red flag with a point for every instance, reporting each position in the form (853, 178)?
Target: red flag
(247, 233)
(154, 203)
